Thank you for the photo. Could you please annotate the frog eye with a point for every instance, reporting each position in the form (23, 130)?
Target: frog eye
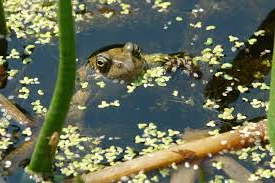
(103, 63)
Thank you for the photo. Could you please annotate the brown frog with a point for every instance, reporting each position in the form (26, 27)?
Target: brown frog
(117, 62)
(124, 62)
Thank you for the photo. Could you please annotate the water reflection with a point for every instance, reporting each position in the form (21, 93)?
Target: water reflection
(252, 63)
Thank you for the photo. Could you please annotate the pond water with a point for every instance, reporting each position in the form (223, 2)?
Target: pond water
(154, 32)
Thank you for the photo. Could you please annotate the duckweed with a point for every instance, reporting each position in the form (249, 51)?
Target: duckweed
(265, 52)
(210, 27)
(179, 19)
(227, 114)
(27, 60)
(13, 54)
(209, 104)
(217, 165)
(101, 84)
(255, 103)
(40, 15)
(211, 56)
(259, 33)
(161, 6)
(175, 93)
(164, 172)
(226, 65)
(209, 41)
(105, 104)
(27, 131)
(38, 107)
(84, 85)
(259, 154)
(12, 73)
(196, 25)
(240, 116)
(93, 157)
(125, 8)
(5, 136)
(232, 38)
(252, 41)
(24, 93)
(156, 75)
(214, 132)
(211, 124)
(29, 49)
(40, 92)
(26, 80)
(242, 89)
(262, 86)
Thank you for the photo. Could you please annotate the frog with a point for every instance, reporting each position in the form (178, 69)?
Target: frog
(124, 63)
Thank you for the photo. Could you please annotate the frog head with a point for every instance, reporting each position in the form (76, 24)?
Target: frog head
(123, 62)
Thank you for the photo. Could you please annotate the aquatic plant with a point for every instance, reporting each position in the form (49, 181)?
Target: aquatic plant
(42, 158)
(2, 20)
(271, 108)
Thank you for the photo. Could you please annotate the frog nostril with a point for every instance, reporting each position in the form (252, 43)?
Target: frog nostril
(119, 65)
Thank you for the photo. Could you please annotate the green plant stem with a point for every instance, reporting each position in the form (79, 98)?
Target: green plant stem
(3, 29)
(42, 158)
(201, 175)
(271, 107)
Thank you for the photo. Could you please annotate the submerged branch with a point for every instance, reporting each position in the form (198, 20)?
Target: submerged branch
(14, 112)
(235, 139)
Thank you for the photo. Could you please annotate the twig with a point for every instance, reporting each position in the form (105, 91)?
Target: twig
(235, 139)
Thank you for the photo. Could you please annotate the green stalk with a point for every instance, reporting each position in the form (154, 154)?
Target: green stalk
(3, 29)
(271, 108)
(43, 156)
(201, 175)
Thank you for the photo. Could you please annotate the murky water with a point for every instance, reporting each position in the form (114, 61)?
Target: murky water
(156, 104)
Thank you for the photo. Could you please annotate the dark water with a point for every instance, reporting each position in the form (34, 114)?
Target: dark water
(238, 18)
